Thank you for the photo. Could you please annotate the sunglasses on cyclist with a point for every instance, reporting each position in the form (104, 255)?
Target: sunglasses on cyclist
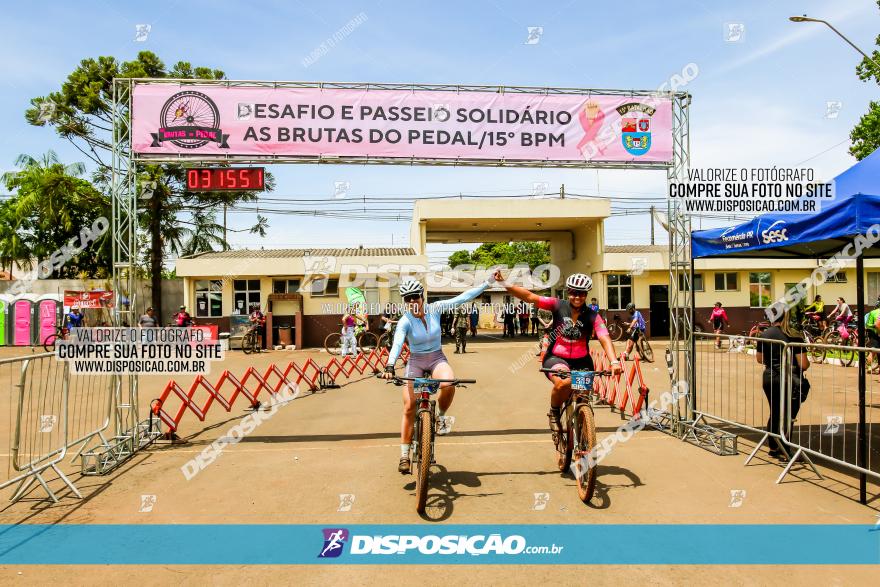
(576, 293)
(412, 298)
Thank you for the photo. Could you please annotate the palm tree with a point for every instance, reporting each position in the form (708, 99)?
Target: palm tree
(52, 205)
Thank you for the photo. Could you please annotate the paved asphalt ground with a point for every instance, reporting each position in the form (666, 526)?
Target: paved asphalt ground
(294, 467)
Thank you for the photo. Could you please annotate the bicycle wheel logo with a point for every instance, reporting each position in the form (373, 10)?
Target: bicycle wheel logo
(189, 120)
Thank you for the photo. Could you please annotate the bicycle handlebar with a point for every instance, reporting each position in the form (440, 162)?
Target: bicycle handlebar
(565, 374)
(432, 380)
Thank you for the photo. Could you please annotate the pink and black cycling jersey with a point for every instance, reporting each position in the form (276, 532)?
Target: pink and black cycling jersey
(718, 314)
(570, 339)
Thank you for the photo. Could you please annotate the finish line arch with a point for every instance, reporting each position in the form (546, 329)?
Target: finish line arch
(199, 122)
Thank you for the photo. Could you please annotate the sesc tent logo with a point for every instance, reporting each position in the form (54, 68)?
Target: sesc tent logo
(334, 541)
(775, 233)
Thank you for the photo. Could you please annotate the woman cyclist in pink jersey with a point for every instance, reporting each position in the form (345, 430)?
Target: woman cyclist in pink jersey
(574, 323)
(718, 319)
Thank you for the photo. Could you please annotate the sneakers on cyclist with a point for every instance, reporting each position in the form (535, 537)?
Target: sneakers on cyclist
(403, 467)
(444, 425)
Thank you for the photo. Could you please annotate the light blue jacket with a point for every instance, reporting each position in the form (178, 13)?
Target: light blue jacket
(427, 340)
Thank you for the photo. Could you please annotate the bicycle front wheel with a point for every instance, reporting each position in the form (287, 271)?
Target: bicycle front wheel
(247, 343)
(816, 354)
(333, 343)
(424, 457)
(645, 350)
(586, 441)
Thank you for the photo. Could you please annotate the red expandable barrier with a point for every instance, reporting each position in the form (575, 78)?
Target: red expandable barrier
(620, 392)
(310, 372)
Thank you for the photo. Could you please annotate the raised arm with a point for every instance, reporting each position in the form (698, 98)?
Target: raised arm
(462, 298)
(399, 339)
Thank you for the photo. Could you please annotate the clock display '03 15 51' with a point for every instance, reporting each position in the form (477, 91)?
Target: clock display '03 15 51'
(212, 179)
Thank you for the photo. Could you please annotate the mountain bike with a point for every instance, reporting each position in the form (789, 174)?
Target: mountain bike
(364, 340)
(577, 436)
(61, 333)
(250, 343)
(424, 429)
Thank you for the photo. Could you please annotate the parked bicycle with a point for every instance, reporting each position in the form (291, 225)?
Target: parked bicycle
(616, 329)
(424, 429)
(250, 343)
(577, 437)
(835, 337)
(366, 341)
(61, 333)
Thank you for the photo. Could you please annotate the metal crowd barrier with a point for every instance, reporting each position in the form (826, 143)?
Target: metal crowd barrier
(728, 389)
(833, 423)
(827, 418)
(50, 411)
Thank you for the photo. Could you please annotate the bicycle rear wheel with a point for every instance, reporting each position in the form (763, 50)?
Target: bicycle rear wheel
(49, 343)
(333, 343)
(586, 441)
(615, 331)
(367, 341)
(424, 457)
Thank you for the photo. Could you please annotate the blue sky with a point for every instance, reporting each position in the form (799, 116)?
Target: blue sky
(757, 102)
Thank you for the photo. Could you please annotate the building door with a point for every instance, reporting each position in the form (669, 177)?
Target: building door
(659, 307)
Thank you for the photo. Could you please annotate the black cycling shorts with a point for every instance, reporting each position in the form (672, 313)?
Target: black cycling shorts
(558, 363)
(634, 335)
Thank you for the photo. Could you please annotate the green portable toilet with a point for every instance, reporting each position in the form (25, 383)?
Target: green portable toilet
(4, 308)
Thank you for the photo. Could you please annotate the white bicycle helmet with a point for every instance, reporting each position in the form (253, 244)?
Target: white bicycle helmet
(411, 287)
(579, 282)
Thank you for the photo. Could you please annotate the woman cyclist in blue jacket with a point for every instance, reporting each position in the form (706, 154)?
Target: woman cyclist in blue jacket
(420, 328)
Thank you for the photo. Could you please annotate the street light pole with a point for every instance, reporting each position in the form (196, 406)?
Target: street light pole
(806, 18)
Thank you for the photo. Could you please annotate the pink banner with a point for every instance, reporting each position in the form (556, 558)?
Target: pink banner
(308, 122)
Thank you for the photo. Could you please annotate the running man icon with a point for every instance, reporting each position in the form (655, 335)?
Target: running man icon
(334, 540)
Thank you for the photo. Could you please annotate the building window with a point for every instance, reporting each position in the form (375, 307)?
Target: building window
(698, 282)
(324, 287)
(759, 290)
(209, 298)
(371, 297)
(873, 285)
(245, 293)
(839, 277)
(619, 291)
(285, 286)
(725, 282)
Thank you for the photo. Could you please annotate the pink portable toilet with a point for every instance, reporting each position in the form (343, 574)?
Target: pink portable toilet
(5, 300)
(21, 321)
(48, 310)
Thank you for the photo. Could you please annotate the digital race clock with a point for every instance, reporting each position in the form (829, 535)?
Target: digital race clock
(211, 179)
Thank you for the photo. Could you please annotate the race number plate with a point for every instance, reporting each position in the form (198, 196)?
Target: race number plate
(582, 380)
(423, 384)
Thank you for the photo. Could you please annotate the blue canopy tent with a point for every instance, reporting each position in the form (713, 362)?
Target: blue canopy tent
(853, 211)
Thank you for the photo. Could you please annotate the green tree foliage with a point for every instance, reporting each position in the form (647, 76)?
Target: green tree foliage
(510, 254)
(865, 135)
(176, 222)
(53, 204)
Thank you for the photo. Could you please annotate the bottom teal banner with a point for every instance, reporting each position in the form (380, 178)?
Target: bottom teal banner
(170, 544)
